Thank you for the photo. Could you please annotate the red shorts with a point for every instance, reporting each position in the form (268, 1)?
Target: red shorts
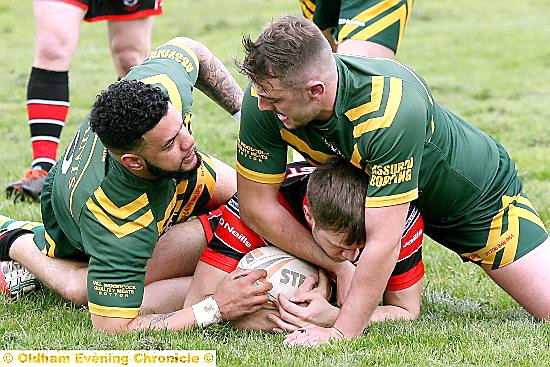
(229, 239)
(97, 10)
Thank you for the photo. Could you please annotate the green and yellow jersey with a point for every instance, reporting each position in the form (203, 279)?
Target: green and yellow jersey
(387, 123)
(95, 208)
(379, 21)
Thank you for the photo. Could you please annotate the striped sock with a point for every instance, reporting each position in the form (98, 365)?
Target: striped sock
(9, 223)
(47, 108)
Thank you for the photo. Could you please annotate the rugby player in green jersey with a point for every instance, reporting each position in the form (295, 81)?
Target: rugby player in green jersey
(360, 27)
(380, 115)
(132, 174)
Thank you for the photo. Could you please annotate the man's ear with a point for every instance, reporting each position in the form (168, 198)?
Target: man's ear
(316, 89)
(132, 161)
(307, 214)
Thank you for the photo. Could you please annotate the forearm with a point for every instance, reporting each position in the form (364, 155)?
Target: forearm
(214, 79)
(179, 320)
(373, 271)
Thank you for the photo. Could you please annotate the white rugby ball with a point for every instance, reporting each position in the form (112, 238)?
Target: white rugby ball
(285, 271)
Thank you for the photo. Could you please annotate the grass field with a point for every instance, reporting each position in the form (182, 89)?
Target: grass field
(487, 60)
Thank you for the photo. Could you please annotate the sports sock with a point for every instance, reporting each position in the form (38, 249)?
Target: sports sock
(47, 108)
(7, 238)
(9, 223)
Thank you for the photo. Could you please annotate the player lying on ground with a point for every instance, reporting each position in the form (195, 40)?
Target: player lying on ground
(130, 175)
(332, 209)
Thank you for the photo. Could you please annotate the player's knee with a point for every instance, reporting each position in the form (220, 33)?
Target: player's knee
(53, 52)
(125, 57)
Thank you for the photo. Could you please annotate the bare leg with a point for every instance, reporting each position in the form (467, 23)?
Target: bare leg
(226, 184)
(527, 280)
(130, 42)
(57, 31)
(65, 277)
(177, 252)
(364, 48)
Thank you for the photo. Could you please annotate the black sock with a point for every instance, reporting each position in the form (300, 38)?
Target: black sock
(7, 239)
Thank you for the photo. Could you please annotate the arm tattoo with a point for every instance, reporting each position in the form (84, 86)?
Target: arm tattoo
(157, 321)
(216, 82)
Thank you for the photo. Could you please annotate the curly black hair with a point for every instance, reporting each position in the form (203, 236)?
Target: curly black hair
(125, 111)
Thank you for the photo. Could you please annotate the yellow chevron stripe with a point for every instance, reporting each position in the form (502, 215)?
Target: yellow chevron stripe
(259, 177)
(356, 156)
(379, 202)
(399, 15)
(171, 88)
(161, 226)
(51, 250)
(394, 100)
(365, 16)
(303, 147)
(306, 12)
(178, 42)
(375, 100)
(120, 212)
(124, 313)
(119, 230)
(83, 170)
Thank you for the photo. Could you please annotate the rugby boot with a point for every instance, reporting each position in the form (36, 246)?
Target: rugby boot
(15, 280)
(29, 187)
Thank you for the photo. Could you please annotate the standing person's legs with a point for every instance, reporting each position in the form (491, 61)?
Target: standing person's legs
(57, 31)
(130, 42)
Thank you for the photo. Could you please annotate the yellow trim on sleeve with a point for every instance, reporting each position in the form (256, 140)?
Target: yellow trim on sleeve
(171, 88)
(383, 201)
(260, 177)
(365, 16)
(394, 100)
(302, 146)
(123, 313)
(372, 105)
(179, 42)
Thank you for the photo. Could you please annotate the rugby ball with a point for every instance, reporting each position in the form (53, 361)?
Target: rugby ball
(285, 271)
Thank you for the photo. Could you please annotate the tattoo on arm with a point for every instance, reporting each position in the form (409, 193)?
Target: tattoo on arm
(215, 80)
(157, 321)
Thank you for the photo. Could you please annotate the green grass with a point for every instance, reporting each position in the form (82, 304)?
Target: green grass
(487, 60)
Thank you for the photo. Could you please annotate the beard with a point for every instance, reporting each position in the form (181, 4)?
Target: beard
(178, 175)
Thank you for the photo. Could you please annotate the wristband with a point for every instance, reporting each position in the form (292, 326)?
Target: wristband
(207, 312)
(237, 117)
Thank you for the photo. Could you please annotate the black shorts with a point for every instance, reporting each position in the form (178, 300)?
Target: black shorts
(97, 10)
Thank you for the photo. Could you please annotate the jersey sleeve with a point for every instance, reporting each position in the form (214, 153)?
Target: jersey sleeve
(119, 237)
(391, 140)
(261, 151)
(174, 68)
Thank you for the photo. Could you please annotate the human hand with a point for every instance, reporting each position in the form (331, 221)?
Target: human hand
(240, 294)
(312, 336)
(303, 309)
(344, 275)
(310, 284)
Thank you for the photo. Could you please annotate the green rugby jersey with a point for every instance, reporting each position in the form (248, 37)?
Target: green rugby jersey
(113, 216)
(387, 123)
